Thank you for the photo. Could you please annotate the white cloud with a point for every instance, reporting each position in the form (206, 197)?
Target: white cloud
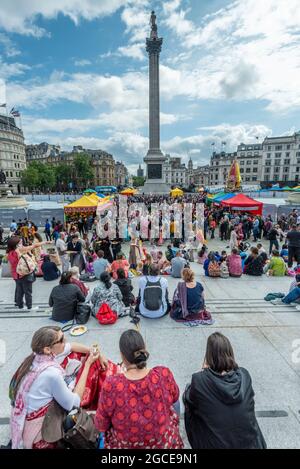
(82, 62)
(9, 47)
(248, 50)
(135, 51)
(8, 70)
(19, 16)
(136, 17)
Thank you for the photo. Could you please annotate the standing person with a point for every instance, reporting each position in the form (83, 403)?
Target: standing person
(13, 227)
(212, 226)
(256, 229)
(293, 240)
(15, 250)
(47, 230)
(233, 243)
(272, 235)
(53, 223)
(62, 250)
(142, 415)
(220, 394)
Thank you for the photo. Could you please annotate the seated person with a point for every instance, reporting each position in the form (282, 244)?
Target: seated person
(210, 258)
(100, 265)
(162, 262)
(75, 280)
(31, 393)
(125, 286)
(188, 300)
(276, 266)
(89, 266)
(293, 296)
(147, 264)
(234, 262)
(262, 252)
(119, 263)
(178, 263)
(223, 257)
(109, 293)
(64, 299)
(284, 253)
(49, 269)
(169, 253)
(143, 414)
(254, 263)
(153, 299)
(219, 394)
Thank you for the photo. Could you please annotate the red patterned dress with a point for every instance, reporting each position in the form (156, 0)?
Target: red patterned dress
(139, 413)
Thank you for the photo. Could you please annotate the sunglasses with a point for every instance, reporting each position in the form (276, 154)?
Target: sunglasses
(60, 341)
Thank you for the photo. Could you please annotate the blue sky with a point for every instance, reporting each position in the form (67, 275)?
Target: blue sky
(77, 71)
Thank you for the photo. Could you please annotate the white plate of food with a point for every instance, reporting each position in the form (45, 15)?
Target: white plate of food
(78, 330)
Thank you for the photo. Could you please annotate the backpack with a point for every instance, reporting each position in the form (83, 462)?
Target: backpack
(214, 269)
(106, 315)
(26, 265)
(152, 295)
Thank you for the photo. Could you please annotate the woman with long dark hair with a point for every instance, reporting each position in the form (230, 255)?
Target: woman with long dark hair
(109, 293)
(38, 382)
(64, 298)
(136, 409)
(15, 250)
(219, 402)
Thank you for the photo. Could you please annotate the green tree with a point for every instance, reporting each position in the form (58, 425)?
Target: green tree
(63, 174)
(46, 179)
(83, 170)
(30, 178)
(138, 181)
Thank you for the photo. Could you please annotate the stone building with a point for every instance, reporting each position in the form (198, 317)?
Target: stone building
(12, 152)
(121, 174)
(174, 171)
(281, 159)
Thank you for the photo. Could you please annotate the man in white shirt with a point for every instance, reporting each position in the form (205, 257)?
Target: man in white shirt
(62, 248)
(153, 294)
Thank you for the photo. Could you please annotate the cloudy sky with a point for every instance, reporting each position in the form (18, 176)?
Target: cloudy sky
(77, 71)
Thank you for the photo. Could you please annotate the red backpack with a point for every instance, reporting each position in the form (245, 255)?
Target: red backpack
(106, 315)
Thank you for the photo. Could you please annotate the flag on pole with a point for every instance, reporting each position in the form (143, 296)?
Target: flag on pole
(234, 178)
(14, 112)
(3, 105)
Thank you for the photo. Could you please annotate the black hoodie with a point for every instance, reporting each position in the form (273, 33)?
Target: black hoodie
(126, 289)
(219, 411)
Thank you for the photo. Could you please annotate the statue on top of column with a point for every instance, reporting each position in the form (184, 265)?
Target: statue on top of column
(153, 25)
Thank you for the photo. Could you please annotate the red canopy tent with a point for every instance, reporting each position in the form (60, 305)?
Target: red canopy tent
(243, 203)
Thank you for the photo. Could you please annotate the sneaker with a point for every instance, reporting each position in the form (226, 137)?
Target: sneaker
(278, 301)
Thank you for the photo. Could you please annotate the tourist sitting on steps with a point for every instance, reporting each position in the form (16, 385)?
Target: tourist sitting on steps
(64, 299)
(219, 394)
(49, 269)
(153, 299)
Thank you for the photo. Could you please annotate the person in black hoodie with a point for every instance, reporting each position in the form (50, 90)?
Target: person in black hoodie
(125, 286)
(219, 402)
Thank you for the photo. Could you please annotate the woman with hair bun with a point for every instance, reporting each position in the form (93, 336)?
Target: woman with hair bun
(136, 409)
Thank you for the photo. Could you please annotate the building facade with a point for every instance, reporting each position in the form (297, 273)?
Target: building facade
(103, 163)
(140, 172)
(12, 152)
(121, 174)
(281, 160)
(174, 171)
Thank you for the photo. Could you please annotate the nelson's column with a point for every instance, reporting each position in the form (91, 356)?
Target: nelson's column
(155, 177)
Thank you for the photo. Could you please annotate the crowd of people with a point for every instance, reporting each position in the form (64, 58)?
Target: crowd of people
(136, 406)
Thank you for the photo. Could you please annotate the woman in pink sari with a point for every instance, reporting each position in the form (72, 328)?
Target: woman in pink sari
(40, 380)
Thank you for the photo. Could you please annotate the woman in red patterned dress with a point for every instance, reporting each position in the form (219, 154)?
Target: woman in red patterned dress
(136, 409)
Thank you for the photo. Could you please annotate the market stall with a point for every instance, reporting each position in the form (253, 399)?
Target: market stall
(243, 203)
(176, 192)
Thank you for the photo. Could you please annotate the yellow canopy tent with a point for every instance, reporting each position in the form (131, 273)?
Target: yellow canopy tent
(176, 192)
(94, 197)
(84, 204)
(128, 191)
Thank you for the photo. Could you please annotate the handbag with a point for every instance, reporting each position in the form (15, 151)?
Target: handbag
(26, 265)
(106, 315)
(83, 313)
(76, 428)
